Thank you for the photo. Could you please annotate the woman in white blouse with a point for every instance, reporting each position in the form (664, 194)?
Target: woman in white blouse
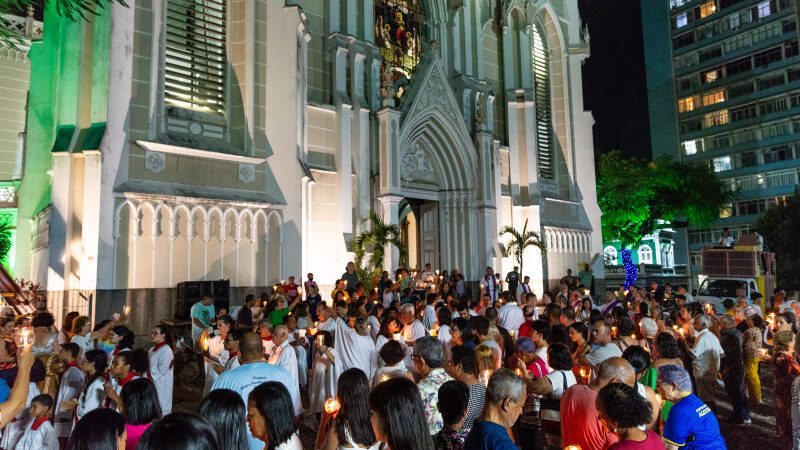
(93, 395)
(83, 335)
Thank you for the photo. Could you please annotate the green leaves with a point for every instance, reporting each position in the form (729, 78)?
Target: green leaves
(778, 225)
(375, 240)
(7, 226)
(634, 194)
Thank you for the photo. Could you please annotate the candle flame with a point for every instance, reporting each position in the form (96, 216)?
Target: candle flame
(332, 406)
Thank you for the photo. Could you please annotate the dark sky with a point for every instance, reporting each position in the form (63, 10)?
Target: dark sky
(614, 77)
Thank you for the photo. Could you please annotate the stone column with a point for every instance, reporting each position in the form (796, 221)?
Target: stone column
(390, 214)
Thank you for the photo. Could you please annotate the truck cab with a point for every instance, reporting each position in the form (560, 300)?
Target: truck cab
(714, 291)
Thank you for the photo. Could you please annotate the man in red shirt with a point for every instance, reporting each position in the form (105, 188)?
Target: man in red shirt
(579, 423)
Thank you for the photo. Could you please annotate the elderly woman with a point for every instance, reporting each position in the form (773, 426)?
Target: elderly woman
(428, 358)
(751, 346)
(649, 329)
(786, 369)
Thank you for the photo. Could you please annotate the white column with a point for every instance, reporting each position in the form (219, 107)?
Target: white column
(90, 223)
(344, 124)
(390, 214)
(60, 254)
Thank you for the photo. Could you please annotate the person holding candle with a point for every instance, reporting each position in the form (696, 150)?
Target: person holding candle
(44, 338)
(321, 384)
(391, 353)
(349, 426)
(269, 416)
(706, 356)
(605, 348)
(93, 395)
(214, 350)
(125, 366)
(83, 335)
(398, 416)
(202, 314)
(69, 389)
(284, 355)
(786, 368)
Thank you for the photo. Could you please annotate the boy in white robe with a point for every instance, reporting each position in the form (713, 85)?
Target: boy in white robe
(13, 432)
(412, 331)
(40, 435)
(72, 383)
(161, 368)
(284, 354)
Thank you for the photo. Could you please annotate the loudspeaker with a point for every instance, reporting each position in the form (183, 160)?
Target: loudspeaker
(191, 292)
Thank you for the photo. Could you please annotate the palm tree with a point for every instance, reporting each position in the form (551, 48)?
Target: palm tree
(6, 237)
(520, 241)
(376, 238)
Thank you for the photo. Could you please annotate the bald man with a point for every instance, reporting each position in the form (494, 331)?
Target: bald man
(604, 350)
(253, 372)
(579, 422)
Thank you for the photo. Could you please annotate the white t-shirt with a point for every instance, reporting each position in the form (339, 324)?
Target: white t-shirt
(601, 353)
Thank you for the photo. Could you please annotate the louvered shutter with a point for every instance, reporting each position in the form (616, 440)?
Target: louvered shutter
(544, 117)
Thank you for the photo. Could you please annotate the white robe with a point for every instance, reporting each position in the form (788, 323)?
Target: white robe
(411, 333)
(44, 438)
(162, 375)
(285, 357)
(320, 387)
(216, 348)
(374, 327)
(92, 397)
(302, 360)
(353, 350)
(72, 383)
(13, 431)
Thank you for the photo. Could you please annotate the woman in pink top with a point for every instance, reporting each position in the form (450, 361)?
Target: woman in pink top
(140, 408)
(624, 412)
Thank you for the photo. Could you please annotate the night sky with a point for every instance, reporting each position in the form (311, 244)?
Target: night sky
(614, 78)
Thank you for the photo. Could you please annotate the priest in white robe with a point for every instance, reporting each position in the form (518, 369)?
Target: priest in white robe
(283, 355)
(216, 353)
(353, 347)
(161, 368)
(412, 331)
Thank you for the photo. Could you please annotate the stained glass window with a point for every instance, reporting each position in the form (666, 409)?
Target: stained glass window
(398, 33)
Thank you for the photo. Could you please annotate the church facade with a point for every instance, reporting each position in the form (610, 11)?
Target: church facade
(182, 140)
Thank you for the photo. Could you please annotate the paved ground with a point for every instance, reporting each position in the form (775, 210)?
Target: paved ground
(757, 436)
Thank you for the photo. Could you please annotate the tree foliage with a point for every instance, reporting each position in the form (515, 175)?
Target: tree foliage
(778, 225)
(7, 226)
(71, 9)
(374, 242)
(520, 241)
(638, 197)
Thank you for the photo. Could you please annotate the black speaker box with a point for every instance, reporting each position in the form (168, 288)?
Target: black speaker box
(191, 292)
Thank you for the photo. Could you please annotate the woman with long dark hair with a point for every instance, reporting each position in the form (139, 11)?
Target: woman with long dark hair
(122, 337)
(398, 417)
(140, 409)
(349, 427)
(99, 429)
(125, 367)
(161, 360)
(180, 431)
(94, 394)
(225, 410)
(271, 417)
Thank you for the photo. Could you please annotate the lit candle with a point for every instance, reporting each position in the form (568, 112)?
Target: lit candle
(434, 332)
(513, 333)
(204, 341)
(397, 337)
(518, 372)
(320, 340)
(572, 447)
(115, 316)
(312, 331)
(633, 336)
(25, 337)
(682, 332)
(302, 333)
(283, 282)
(345, 282)
(126, 310)
(583, 372)
(332, 406)
(437, 272)
(614, 332)
(675, 327)
(762, 352)
(384, 378)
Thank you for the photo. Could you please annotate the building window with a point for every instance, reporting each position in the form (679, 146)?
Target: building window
(195, 61)
(743, 113)
(782, 178)
(540, 60)
(767, 57)
(692, 147)
(777, 154)
(750, 183)
(399, 31)
(738, 66)
(610, 256)
(722, 164)
(713, 97)
(711, 76)
(716, 118)
(645, 255)
(746, 159)
(681, 20)
(764, 9)
(687, 104)
(707, 9)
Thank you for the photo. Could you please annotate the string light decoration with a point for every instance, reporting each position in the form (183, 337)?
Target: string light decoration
(631, 271)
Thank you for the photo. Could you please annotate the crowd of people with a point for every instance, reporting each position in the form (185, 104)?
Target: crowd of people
(416, 363)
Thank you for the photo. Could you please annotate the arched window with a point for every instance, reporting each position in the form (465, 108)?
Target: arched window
(645, 255)
(399, 29)
(540, 60)
(610, 256)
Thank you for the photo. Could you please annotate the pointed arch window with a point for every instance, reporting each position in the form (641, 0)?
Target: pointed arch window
(610, 256)
(195, 56)
(540, 60)
(399, 28)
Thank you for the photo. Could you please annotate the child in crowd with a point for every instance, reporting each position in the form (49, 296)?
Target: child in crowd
(41, 435)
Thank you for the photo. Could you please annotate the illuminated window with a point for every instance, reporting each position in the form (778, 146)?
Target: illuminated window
(686, 104)
(195, 62)
(692, 147)
(716, 118)
(610, 256)
(713, 97)
(540, 59)
(707, 9)
(722, 164)
(764, 9)
(645, 255)
(681, 20)
(711, 76)
(399, 28)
